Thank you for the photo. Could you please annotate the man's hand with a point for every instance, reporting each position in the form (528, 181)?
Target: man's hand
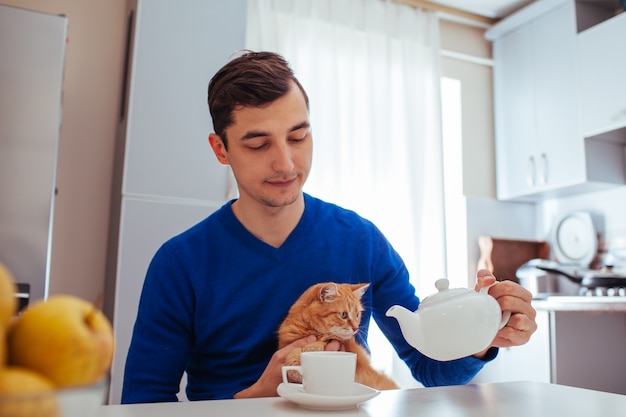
(516, 299)
(271, 377)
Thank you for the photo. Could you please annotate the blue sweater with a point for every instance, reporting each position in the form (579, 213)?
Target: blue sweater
(214, 296)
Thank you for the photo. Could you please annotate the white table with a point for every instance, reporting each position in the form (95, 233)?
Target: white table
(509, 399)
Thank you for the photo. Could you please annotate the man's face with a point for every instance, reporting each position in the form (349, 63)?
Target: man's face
(269, 150)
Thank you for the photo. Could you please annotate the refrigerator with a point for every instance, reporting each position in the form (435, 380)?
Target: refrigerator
(32, 56)
(166, 176)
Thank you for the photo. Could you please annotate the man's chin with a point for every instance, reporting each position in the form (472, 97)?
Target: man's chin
(282, 201)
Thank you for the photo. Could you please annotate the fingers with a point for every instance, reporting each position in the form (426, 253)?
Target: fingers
(281, 354)
(516, 299)
(484, 278)
(271, 377)
(335, 345)
(517, 332)
(512, 289)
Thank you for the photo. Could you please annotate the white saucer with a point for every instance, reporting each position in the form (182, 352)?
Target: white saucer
(297, 395)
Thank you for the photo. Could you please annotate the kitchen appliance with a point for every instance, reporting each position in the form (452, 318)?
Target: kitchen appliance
(574, 240)
(32, 57)
(543, 277)
(575, 245)
(542, 283)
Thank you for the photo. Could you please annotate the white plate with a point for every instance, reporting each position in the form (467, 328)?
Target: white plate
(297, 395)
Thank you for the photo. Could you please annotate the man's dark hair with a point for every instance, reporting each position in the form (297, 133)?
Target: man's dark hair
(253, 79)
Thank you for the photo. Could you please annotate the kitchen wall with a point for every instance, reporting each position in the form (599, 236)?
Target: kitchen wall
(91, 106)
(467, 57)
(608, 209)
(91, 97)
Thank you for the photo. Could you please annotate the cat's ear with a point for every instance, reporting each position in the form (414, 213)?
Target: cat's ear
(360, 290)
(329, 292)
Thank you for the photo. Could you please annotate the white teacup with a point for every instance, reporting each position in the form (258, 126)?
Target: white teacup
(325, 373)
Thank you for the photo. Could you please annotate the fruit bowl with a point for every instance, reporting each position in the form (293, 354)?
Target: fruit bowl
(82, 401)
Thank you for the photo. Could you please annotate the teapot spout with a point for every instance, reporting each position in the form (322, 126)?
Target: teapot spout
(399, 312)
(409, 324)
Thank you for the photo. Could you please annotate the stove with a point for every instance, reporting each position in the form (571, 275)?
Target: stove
(602, 292)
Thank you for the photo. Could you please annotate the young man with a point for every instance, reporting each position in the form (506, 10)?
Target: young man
(214, 296)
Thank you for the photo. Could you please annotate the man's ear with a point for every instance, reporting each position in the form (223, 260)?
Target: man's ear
(218, 148)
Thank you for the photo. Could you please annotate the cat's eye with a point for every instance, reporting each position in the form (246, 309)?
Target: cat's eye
(343, 315)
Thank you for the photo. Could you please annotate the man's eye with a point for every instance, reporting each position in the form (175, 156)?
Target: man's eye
(298, 139)
(256, 147)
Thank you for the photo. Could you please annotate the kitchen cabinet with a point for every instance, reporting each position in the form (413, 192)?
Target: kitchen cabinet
(166, 176)
(528, 362)
(538, 144)
(32, 60)
(541, 151)
(580, 344)
(603, 85)
(588, 350)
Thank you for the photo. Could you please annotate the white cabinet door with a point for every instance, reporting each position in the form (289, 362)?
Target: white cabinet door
(529, 362)
(176, 51)
(32, 57)
(603, 79)
(538, 143)
(145, 226)
(560, 152)
(171, 179)
(514, 111)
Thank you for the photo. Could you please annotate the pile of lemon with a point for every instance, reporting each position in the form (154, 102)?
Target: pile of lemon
(60, 343)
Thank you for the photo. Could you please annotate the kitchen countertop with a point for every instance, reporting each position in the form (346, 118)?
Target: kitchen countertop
(511, 399)
(580, 303)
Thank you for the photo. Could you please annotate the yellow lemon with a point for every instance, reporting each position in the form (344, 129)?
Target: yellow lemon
(64, 338)
(8, 302)
(24, 393)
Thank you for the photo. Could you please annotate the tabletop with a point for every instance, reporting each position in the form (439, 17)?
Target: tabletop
(511, 399)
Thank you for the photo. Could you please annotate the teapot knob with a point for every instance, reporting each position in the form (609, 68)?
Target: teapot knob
(442, 284)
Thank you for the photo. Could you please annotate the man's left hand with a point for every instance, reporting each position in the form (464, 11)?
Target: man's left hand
(516, 299)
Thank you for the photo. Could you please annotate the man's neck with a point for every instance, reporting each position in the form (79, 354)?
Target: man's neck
(272, 225)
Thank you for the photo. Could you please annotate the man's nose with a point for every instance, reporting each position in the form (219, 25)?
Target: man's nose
(282, 158)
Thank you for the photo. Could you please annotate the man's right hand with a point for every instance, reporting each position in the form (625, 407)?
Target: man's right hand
(271, 377)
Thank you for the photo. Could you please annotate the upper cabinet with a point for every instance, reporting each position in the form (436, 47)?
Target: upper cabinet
(538, 146)
(172, 53)
(603, 85)
(541, 146)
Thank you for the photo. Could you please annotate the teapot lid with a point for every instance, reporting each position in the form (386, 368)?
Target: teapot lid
(444, 293)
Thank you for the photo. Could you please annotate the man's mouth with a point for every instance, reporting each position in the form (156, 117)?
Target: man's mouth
(283, 182)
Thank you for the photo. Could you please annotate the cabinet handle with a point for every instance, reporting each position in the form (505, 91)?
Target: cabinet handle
(543, 172)
(530, 171)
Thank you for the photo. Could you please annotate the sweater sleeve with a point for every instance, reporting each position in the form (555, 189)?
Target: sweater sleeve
(393, 287)
(162, 334)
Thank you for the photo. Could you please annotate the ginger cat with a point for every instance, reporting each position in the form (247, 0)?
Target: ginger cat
(330, 311)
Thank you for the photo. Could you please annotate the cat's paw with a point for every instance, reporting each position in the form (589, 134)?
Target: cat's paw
(293, 357)
(294, 377)
(317, 346)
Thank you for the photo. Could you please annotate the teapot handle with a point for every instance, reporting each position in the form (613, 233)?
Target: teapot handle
(506, 315)
(485, 290)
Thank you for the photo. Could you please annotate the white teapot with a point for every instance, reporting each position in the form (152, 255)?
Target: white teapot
(452, 323)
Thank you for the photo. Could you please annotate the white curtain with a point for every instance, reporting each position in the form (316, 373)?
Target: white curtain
(371, 70)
